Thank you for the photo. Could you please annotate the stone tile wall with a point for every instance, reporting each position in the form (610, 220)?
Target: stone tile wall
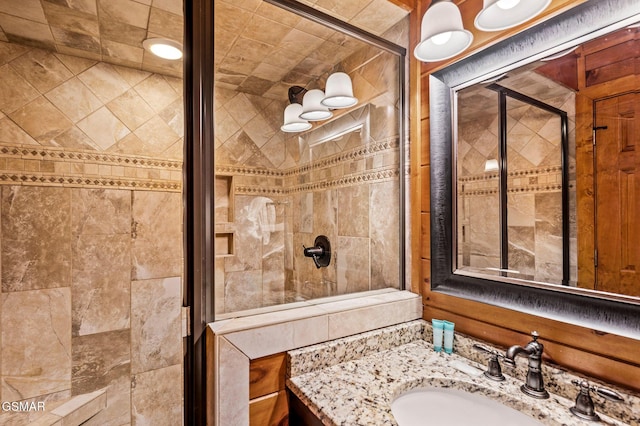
(90, 235)
(286, 192)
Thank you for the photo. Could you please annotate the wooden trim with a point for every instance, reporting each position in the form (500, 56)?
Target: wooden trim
(266, 375)
(210, 378)
(416, 147)
(270, 410)
(610, 358)
(482, 39)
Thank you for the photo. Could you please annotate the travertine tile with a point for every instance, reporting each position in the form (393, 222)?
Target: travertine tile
(156, 339)
(74, 99)
(157, 235)
(242, 290)
(41, 69)
(157, 92)
(103, 128)
(15, 91)
(41, 120)
(356, 321)
(10, 51)
(103, 361)
(353, 264)
(24, 31)
(378, 16)
(74, 63)
(232, 388)
(104, 81)
(172, 6)
(157, 135)
(101, 290)
(132, 76)
(385, 247)
(71, 19)
(353, 211)
(166, 24)
(156, 397)
(74, 138)
(131, 109)
(121, 32)
(173, 115)
(36, 323)
(10, 132)
(126, 11)
(36, 246)
(27, 9)
(122, 53)
(342, 9)
(82, 407)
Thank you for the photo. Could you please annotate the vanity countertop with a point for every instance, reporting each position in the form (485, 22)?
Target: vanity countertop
(360, 391)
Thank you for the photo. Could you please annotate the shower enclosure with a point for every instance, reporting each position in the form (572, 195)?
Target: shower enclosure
(276, 192)
(514, 208)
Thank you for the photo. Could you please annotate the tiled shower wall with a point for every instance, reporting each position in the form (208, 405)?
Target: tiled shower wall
(90, 235)
(346, 190)
(534, 186)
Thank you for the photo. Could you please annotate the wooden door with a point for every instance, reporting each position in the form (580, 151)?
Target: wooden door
(617, 175)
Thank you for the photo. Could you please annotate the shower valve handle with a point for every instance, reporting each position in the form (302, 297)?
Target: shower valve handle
(320, 252)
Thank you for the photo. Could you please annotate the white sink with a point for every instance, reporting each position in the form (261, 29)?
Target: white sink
(453, 407)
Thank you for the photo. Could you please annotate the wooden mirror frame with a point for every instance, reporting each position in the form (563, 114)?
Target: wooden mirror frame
(608, 313)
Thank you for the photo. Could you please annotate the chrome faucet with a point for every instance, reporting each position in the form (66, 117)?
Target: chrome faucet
(534, 385)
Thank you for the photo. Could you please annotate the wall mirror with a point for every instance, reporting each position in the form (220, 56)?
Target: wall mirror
(276, 191)
(533, 171)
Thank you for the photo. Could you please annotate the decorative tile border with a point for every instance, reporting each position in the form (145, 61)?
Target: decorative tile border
(27, 152)
(50, 166)
(366, 177)
(349, 156)
(519, 173)
(543, 179)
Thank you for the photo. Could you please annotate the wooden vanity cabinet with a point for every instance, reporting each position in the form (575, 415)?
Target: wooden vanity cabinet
(268, 399)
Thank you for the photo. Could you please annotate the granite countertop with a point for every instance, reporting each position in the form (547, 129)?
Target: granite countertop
(360, 391)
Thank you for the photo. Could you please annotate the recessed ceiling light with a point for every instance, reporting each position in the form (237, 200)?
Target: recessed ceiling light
(163, 48)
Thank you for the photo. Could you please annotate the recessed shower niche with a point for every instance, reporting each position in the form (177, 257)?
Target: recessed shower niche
(224, 222)
(341, 178)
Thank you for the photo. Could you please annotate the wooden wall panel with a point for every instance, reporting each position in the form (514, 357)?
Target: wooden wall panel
(608, 357)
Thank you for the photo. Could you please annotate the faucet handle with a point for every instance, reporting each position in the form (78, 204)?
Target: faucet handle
(494, 371)
(584, 407)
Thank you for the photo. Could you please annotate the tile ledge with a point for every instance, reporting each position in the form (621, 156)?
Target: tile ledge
(75, 411)
(312, 309)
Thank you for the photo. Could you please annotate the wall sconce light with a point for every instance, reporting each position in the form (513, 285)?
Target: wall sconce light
(339, 91)
(312, 108)
(292, 120)
(163, 48)
(442, 33)
(491, 165)
(499, 15)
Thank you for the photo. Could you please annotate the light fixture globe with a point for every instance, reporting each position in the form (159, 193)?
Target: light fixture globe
(499, 15)
(339, 92)
(292, 121)
(442, 33)
(163, 48)
(312, 108)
